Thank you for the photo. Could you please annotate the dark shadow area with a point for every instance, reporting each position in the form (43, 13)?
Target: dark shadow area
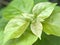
(55, 1)
(4, 3)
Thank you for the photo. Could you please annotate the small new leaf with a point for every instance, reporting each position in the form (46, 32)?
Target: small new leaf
(38, 8)
(36, 28)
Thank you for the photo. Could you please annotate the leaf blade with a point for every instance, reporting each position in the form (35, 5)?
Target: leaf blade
(16, 7)
(26, 39)
(47, 12)
(36, 28)
(38, 8)
(15, 28)
(51, 25)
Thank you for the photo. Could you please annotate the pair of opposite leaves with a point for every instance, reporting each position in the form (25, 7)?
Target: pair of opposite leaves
(18, 25)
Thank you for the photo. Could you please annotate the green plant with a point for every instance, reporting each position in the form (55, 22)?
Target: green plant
(23, 22)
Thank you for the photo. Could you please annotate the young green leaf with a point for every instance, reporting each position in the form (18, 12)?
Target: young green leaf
(28, 17)
(38, 8)
(36, 28)
(52, 24)
(47, 12)
(15, 28)
(16, 7)
(28, 38)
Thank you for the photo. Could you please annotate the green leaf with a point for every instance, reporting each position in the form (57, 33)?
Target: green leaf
(26, 39)
(52, 24)
(36, 28)
(42, 8)
(27, 17)
(38, 8)
(15, 28)
(16, 7)
(47, 12)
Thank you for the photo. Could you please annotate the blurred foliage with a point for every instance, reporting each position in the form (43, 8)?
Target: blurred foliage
(48, 40)
(37, 1)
